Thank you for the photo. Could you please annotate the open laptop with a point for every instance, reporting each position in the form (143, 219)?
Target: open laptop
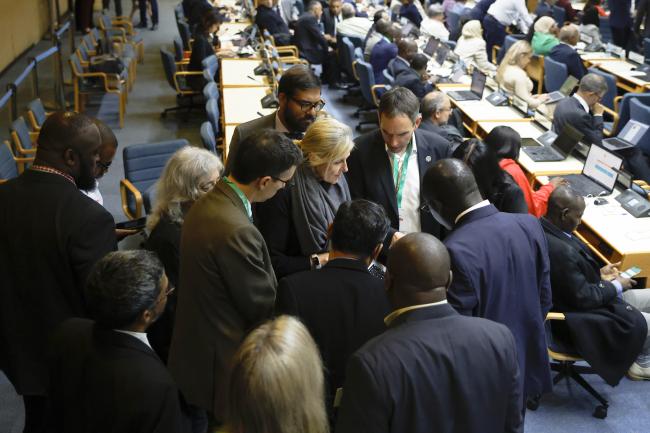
(565, 90)
(598, 175)
(431, 47)
(638, 60)
(521, 106)
(559, 149)
(441, 53)
(628, 137)
(475, 92)
(545, 139)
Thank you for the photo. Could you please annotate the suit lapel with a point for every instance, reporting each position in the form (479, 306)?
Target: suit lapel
(425, 156)
(379, 159)
(572, 241)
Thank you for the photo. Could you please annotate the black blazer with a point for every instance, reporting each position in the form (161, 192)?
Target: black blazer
(563, 53)
(50, 237)
(342, 305)
(448, 132)
(434, 370)
(508, 196)
(267, 19)
(642, 16)
(109, 382)
(201, 48)
(569, 110)
(370, 176)
(328, 20)
(309, 39)
(411, 80)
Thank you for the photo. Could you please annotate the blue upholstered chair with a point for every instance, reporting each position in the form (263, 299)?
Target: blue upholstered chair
(36, 114)
(208, 138)
(10, 165)
(24, 140)
(559, 15)
(641, 112)
(370, 91)
(556, 74)
(213, 113)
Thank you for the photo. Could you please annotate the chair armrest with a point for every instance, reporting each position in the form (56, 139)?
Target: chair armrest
(551, 315)
(373, 90)
(127, 24)
(179, 89)
(289, 49)
(126, 187)
(33, 135)
(614, 115)
(354, 70)
(617, 100)
(20, 149)
(105, 79)
(495, 48)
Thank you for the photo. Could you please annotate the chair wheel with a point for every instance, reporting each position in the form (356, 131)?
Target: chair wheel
(600, 412)
(533, 403)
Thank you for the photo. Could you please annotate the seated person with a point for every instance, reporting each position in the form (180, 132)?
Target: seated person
(416, 78)
(205, 44)
(309, 37)
(436, 110)
(406, 49)
(103, 371)
(342, 304)
(511, 74)
(471, 48)
(494, 183)
(269, 19)
(373, 35)
(544, 8)
(544, 35)
(565, 51)
(434, 24)
(606, 318)
(384, 50)
(571, 14)
(330, 20)
(409, 11)
(288, 10)
(352, 26)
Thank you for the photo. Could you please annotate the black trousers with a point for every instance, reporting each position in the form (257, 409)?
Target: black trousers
(621, 36)
(118, 6)
(37, 414)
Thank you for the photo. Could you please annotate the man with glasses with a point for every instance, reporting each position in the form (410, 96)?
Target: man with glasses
(299, 95)
(107, 151)
(436, 111)
(104, 371)
(226, 277)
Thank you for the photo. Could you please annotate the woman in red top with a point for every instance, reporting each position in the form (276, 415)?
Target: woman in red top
(506, 142)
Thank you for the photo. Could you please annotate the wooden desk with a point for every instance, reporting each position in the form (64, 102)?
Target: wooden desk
(591, 57)
(232, 28)
(240, 73)
(621, 70)
(241, 104)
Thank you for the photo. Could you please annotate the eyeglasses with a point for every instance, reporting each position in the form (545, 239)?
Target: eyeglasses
(287, 183)
(306, 106)
(104, 166)
(168, 292)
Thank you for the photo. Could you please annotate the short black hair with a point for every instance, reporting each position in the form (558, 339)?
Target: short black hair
(121, 286)
(358, 227)
(484, 164)
(399, 101)
(266, 152)
(298, 77)
(68, 130)
(419, 62)
(208, 19)
(505, 142)
(378, 15)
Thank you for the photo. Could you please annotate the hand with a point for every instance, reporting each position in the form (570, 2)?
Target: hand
(543, 97)
(598, 109)
(610, 272)
(396, 237)
(226, 53)
(626, 283)
(323, 258)
(558, 181)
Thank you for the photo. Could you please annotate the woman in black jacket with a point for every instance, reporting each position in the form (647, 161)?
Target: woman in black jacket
(205, 44)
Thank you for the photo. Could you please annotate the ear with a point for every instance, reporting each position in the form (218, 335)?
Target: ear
(418, 120)
(70, 157)
(147, 317)
(282, 98)
(451, 278)
(264, 181)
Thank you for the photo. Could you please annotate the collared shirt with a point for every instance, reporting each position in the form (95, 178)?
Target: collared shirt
(242, 197)
(469, 209)
(509, 11)
(355, 26)
(392, 316)
(403, 60)
(279, 126)
(139, 335)
(94, 193)
(435, 28)
(409, 213)
(584, 104)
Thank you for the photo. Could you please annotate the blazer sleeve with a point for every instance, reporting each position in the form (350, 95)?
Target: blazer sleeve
(171, 416)
(312, 27)
(513, 198)
(592, 127)
(575, 66)
(286, 301)
(461, 293)
(544, 272)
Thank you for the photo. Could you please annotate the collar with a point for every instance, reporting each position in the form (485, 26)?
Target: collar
(582, 102)
(403, 60)
(139, 335)
(279, 126)
(347, 263)
(46, 169)
(245, 201)
(414, 150)
(468, 210)
(392, 316)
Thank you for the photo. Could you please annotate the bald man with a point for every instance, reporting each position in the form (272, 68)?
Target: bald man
(598, 300)
(433, 369)
(565, 52)
(51, 236)
(500, 264)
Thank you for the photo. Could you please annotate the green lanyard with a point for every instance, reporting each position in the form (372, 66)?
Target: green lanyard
(242, 196)
(399, 172)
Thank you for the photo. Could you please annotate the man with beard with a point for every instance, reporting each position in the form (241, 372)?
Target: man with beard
(51, 235)
(300, 102)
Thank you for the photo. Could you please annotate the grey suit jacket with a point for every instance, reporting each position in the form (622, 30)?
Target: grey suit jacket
(243, 130)
(227, 287)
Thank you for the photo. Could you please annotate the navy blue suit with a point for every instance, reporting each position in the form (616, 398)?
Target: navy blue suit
(501, 272)
(397, 66)
(434, 370)
(412, 81)
(411, 13)
(268, 19)
(382, 53)
(480, 9)
(620, 20)
(310, 40)
(570, 111)
(564, 53)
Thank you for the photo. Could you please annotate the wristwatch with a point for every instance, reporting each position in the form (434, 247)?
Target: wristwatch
(314, 261)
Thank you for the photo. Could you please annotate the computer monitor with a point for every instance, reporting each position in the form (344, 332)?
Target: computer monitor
(602, 166)
(441, 53)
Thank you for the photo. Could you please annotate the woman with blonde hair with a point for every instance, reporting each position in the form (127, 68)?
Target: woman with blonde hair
(190, 173)
(511, 74)
(295, 222)
(471, 48)
(276, 383)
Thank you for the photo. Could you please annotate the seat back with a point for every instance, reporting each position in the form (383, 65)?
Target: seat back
(185, 34)
(178, 49)
(208, 138)
(624, 108)
(169, 66)
(8, 167)
(210, 61)
(19, 126)
(37, 111)
(605, 30)
(366, 80)
(453, 21)
(75, 64)
(83, 52)
(211, 91)
(88, 41)
(178, 12)
(212, 111)
(357, 42)
(348, 57)
(105, 22)
(641, 112)
(507, 43)
(559, 15)
(608, 99)
(556, 74)
(389, 78)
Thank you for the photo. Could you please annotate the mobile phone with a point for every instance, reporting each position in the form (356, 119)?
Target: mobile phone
(137, 224)
(630, 273)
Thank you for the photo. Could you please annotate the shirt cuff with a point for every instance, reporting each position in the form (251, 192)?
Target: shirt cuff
(619, 288)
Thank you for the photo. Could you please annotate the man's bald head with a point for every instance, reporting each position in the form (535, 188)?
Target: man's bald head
(570, 34)
(565, 208)
(418, 270)
(407, 48)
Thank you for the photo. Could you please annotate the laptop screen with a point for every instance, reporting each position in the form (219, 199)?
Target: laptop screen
(519, 104)
(432, 46)
(441, 54)
(633, 132)
(567, 140)
(407, 29)
(601, 166)
(544, 121)
(478, 82)
(569, 84)
(636, 57)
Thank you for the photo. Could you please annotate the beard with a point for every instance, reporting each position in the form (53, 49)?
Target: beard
(298, 125)
(86, 178)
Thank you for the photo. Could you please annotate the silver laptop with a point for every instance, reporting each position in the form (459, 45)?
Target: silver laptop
(629, 136)
(559, 149)
(598, 175)
(565, 90)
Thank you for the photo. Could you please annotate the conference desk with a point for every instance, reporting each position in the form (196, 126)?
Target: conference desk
(240, 73)
(239, 105)
(625, 77)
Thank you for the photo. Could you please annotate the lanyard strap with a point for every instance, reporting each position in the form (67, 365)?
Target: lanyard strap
(242, 197)
(399, 172)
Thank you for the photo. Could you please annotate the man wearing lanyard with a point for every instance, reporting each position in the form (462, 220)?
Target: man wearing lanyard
(388, 163)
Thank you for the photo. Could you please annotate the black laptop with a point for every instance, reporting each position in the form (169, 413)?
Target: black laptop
(475, 92)
(598, 175)
(431, 47)
(559, 150)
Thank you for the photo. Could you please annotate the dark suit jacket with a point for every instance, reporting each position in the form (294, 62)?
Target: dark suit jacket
(227, 287)
(370, 175)
(243, 130)
(50, 237)
(501, 272)
(642, 17)
(309, 39)
(434, 370)
(412, 81)
(328, 21)
(411, 13)
(268, 19)
(109, 382)
(382, 53)
(605, 330)
(564, 53)
(619, 14)
(508, 196)
(342, 305)
(448, 132)
(396, 66)
(570, 111)
(201, 48)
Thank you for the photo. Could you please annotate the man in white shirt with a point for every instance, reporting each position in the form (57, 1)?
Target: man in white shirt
(352, 26)
(434, 24)
(500, 15)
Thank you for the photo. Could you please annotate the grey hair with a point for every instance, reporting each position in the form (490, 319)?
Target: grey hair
(432, 103)
(435, 10)
(569, 32)
(122, 285)
(347, 11)
(399, 101)
(180, 182)
(593, 83)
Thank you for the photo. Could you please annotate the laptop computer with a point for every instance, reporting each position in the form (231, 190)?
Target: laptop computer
(559, 149)
(638, 60)
(565, 90)
(441, 53)
(598, 175)
(431, 47)
(520, 105)
(628, 137)
(475, 92)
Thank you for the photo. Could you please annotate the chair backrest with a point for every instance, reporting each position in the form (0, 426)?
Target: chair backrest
(559, 15)
(366, 80)
(88, 41)
(556, 74)
(105, 22)
(646, 50)
(210, 61)
(211, 91)
(357, 42)
(8, 167)
(212, 111)
(208, 138)
(389, 78)
(641, 112)
(453, 21)
(178, 49)
(605, 30)
(76, 64)
(624, 108)
(507, 43)
(169, 66)
(38, 111)
(185, 34)
(178, 12)
(19, 126)
(348, 57)
(608, 99)
(83, 52)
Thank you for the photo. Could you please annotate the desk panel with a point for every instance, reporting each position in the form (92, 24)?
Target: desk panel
(622, 69)
(240, 73)
(241, 104)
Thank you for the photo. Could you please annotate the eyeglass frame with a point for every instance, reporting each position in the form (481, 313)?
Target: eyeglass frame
(306, 106)
(287, 183)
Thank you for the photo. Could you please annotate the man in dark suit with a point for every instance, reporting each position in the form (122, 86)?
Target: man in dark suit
(51, 235)
(267, 18)
(331, 18)
(299, 97)
(620, 21)
(406, 50)
(598, 300)
(409, 11)
(384, 50)
(433, 369)
(387, 164)
(309, 37)
(416, 78)
(500, 264)
(583, 110)
(226, 278)
(436, 111)
(105, 377)
(565, 51)
(342, 304)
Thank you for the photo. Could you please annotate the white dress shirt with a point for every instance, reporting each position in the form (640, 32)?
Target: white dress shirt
(139, 335)
(435, 28)
(511, 11)
(94, 193)
(471, 208)
(356, 27)
(582, 102)
(409, 212)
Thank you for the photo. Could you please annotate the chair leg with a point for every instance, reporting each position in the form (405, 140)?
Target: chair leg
(121, 108)
(583, 383)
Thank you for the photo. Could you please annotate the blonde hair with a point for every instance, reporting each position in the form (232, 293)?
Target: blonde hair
(326, 140)
(180, 182)
(512, 57)
(276, 384)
